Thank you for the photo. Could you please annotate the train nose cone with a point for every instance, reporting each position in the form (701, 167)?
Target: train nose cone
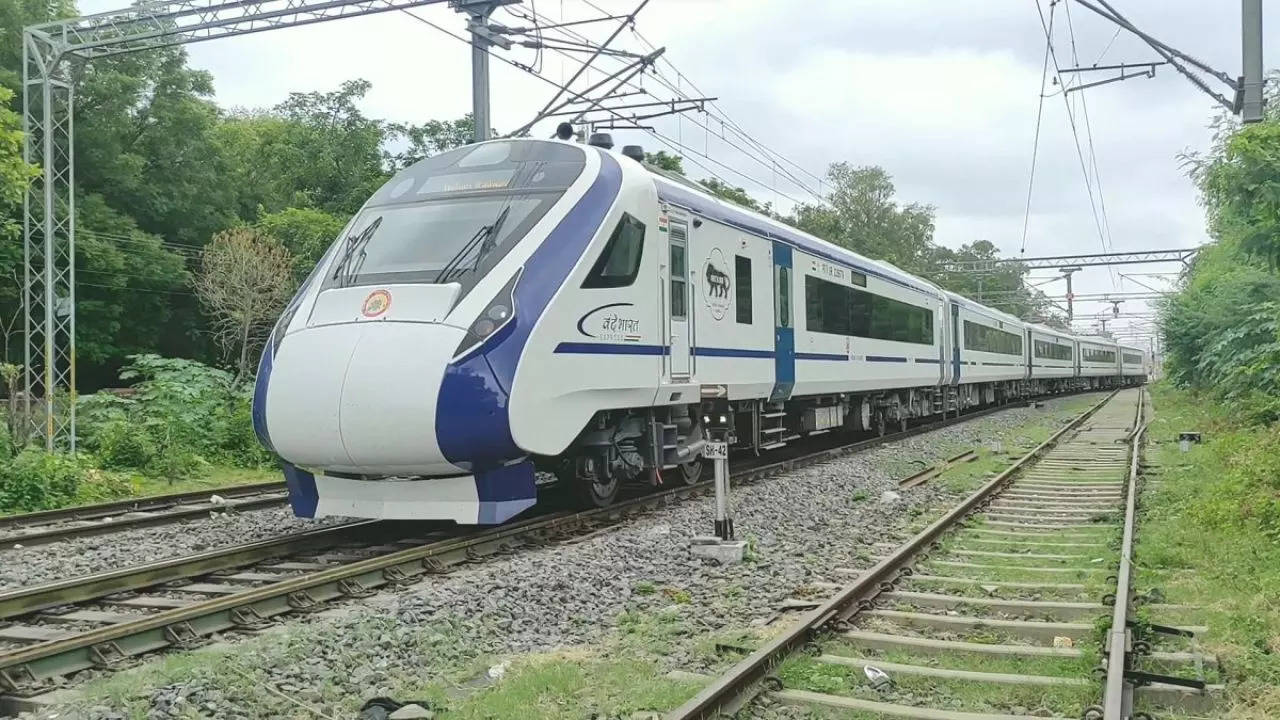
(304, 397)
(361, 398)
(389, 398)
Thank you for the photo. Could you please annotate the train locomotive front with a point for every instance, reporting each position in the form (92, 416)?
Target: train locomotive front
(386, 386)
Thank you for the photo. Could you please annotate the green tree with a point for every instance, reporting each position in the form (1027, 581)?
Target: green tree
(331, 153)
(736, 195)
(15, 174)
(665, 161)
(1221, 330)
(1002, 287)
(430, 138)
(305, 232)
(862, 215)
(15, 15)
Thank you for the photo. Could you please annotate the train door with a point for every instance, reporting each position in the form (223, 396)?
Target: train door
(1029, 351)
(955, 344)
(784, 333)
(679, 362)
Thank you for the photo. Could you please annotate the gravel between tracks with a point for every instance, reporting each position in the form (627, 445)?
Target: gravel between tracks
(56, 561)
(541, 599)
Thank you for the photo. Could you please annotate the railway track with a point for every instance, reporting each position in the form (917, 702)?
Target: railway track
(49, 526)
(1004, 609)
(102, 621)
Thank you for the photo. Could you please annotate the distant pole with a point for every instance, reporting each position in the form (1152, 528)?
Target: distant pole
(1068, 272)
(1251, 20)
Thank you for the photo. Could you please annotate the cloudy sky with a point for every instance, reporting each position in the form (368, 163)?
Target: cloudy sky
(942, 94)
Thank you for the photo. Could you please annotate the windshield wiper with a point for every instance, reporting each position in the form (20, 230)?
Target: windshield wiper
(354, 243)
(483, 237)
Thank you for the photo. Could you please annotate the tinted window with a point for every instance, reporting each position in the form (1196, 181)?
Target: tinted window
(782, 305)
(452, 217)
(742, 275)
(679, 273)
(620, 261)
(1052, 351)
(985, 338)
(1132, 359)
(1097, 355)
(842, 310)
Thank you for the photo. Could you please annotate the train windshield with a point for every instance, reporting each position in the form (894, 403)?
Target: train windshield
(452, 217)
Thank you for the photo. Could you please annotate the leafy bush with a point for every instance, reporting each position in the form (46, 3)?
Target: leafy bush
(1221, 330)
(6, 442)
(36, 480)
(181, 416)
(120, 445)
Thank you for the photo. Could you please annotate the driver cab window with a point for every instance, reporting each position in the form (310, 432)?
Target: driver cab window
(620, 262)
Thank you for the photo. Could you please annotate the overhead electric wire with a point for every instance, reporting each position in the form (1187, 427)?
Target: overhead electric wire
(1093, 155)
(1035, 148)
(726, 121)
(732, 123)
(661, 138)
(767, 164)
(1084, 168)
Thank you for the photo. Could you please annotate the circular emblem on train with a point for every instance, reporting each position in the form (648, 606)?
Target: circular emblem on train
(716, 284)
(376, 303)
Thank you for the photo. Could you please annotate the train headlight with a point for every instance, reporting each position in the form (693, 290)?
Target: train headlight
(495, 316)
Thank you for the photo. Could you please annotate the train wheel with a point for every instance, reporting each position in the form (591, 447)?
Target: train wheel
(691, 472)
(589, 489)
(599, 492)
(881, 424)
(902, 424)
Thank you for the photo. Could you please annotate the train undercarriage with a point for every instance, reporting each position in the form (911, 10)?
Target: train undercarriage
(659, 446)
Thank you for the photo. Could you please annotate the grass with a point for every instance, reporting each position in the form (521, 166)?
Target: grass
(806, 673)
(1209, 536)
(216, 477)
(141, 486)
(1056, 667)
(568, 684)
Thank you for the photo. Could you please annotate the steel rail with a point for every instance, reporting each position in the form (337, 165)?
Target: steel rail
(25, 671)
(728, 689)
(153, 519)
(151, 504)
(23, 601)
(1117, 698)
(26, 600)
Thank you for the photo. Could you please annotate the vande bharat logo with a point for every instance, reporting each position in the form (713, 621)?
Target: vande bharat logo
(378, 302)
(716, 284)
(611, 322)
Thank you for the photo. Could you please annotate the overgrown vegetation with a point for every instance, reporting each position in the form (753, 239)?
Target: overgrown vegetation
(1209, 536)
(1221, 330)
(179, 419)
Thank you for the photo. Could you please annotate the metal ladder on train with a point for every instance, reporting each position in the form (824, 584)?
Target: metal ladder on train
(773, 429)
(948, 401)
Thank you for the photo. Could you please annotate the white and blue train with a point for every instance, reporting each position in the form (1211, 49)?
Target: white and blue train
(519, 308)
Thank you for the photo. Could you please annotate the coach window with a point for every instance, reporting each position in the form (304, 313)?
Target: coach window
(782, 306)
(742, 275)
(679, 286)
(620, 262)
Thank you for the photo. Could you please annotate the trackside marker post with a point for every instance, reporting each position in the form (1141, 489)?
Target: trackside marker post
(716, 423)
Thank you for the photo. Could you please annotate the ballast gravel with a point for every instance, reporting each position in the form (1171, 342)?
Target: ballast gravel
(800, 527)
(40, 564)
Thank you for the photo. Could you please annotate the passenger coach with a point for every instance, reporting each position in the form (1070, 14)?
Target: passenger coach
(517, 311)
